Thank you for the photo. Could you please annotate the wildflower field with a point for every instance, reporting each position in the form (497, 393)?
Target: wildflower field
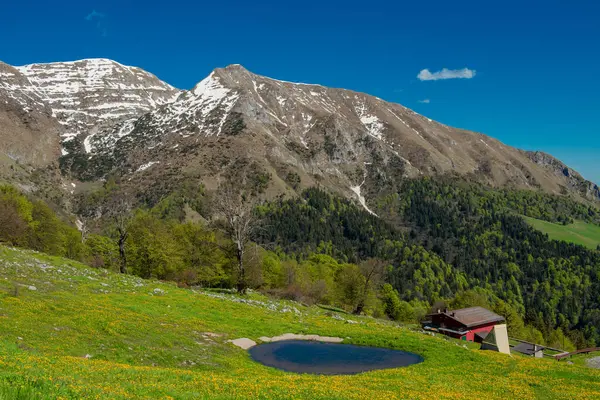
(71, 332)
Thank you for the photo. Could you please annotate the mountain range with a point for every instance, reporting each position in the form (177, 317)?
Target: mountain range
(70, 124)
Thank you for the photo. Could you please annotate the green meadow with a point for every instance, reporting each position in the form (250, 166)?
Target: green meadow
(72, 332)
(579, 232)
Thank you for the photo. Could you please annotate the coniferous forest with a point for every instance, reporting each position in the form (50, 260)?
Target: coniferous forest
(445, 237)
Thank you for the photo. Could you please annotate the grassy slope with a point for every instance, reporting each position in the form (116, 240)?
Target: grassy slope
(145, 343)
(581, 359)
(579, 232)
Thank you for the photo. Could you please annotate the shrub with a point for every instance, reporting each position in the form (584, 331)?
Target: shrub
(391, 301)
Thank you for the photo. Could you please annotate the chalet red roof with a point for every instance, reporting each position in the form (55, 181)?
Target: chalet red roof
(473, 316)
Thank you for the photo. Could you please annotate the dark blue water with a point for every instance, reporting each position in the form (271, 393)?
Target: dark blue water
(329, 358)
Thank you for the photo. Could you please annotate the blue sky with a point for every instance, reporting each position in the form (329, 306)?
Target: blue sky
(536, 85)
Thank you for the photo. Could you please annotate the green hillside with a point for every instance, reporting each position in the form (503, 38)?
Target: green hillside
(579, 232)
(72, 332)
(435, 241)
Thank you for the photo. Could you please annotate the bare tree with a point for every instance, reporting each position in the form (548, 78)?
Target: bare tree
(119, 210)
(373, 270)
(239, 223)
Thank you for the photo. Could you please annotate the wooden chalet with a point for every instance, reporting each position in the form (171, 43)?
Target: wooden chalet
(472, 324)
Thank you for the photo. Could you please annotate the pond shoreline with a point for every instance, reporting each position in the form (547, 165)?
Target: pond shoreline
(245, 343)
(320, 358)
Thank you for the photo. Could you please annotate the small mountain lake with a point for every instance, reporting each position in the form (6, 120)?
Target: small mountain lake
(328, 358)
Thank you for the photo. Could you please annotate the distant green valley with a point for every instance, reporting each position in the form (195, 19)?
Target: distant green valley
(578, 232)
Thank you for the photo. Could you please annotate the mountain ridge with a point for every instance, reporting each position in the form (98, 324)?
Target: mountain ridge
(132, 123)
(304, 116)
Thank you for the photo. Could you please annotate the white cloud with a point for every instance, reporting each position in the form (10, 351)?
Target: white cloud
(425, 101)
(445, 73)
(98, 18)
(94, 15)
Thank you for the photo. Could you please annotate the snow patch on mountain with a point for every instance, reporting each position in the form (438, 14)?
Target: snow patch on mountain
(105, 141)
(373, 124)
(361, 198)
(206, 97)
(87, 144)
(17, 87)
(147, 165)
(210, 89)
(94, 94)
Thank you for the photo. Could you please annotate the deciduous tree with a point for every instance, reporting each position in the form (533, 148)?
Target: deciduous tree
(118, 209)
(238, 221)
(373, 270)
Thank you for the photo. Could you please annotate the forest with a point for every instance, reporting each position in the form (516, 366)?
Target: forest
(435, 241)
(444, 237)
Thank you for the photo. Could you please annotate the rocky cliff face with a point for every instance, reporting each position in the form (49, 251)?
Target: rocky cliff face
(92, 94)
(29, 134)
(574, 181)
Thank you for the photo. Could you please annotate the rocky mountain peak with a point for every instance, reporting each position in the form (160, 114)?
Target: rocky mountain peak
(233, 68)
(88, 95)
